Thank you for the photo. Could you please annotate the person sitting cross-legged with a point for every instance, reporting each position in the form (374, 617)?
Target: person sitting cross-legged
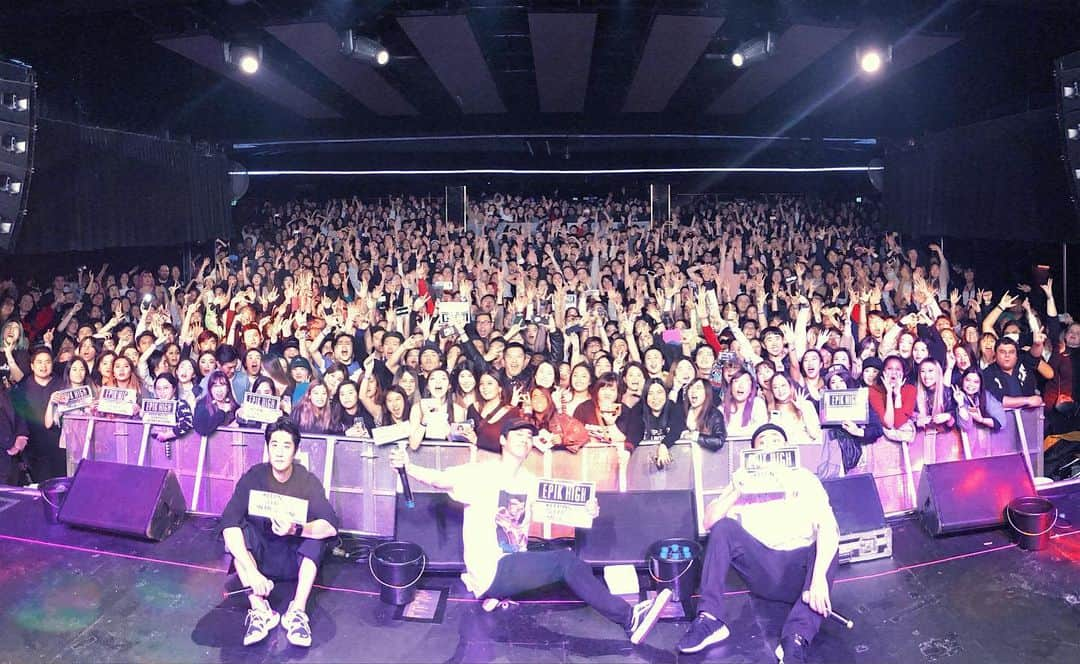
(286, 546)
(776, 529)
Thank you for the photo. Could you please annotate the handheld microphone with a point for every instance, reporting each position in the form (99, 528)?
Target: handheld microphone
(846, 622)
(406, 489)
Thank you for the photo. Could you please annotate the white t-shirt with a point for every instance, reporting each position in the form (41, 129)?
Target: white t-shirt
(497, 516)
(788, 517)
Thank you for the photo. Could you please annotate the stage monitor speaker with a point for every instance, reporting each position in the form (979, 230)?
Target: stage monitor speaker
(630, 522)
(18, 128)
(128, 500)
(855, 502)
(660, 203)
(457, 203)
(434, 524)
(1067, 82)
(965, 495)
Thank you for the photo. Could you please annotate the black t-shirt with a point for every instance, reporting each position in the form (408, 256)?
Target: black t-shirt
(1020, 383)
(301, 484)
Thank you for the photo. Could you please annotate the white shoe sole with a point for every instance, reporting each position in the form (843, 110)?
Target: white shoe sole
(274, 622)
(651, 616)
(714, 638)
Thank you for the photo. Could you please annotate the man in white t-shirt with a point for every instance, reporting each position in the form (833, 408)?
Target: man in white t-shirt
(497, 496)
(775, 528)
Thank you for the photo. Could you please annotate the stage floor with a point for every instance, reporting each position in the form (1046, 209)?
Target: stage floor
(75, 596)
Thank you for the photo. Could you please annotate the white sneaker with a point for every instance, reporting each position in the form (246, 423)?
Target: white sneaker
(258, 625)
(645, 614)
(297, 630)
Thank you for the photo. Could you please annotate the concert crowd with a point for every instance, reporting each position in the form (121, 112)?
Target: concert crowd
(579, 316)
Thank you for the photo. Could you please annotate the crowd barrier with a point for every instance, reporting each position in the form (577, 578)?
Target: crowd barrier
(362, 486)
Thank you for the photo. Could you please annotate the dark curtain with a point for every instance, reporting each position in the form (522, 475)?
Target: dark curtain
(1000, 179)
(97, 188)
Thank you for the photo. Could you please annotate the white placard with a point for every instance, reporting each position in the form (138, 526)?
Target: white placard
(391, 433)
(118, 401)
(263, 408)
(563, 502)
(73, 399)
(839, 406)
(272, 505)
(453, 314)
(159, 411)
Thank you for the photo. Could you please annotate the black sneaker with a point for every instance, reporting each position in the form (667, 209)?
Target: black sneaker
(643, 615)
(704, 632)
(792, 649)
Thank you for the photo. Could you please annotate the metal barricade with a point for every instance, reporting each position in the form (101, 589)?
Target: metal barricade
(362, 485)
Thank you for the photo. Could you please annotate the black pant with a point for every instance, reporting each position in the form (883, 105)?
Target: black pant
(46, 463)
(278, 558)
(768, 573)
(520, 572)
(8, 468)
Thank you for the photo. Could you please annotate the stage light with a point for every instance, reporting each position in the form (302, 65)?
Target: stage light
(872, 59)
(15, 102)
(5, 226)
(754, 49)
(364, 49)
(1071, 90)
(13, 143)
(870, 62)
(246, 58)
(10, 185)
(1073, 133)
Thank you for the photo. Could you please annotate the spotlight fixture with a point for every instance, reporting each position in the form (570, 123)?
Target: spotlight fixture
(364, 49)
(15, 102)
(1071, 90)
(246, 58)
(1073, 133)
(13, 143)
(5, 226)
(754, 49)
(871, 59)
(10, 185)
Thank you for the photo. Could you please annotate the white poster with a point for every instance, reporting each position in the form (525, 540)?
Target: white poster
(563, 503)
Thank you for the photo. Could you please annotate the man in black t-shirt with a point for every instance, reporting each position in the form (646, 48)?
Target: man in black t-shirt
(1012, 376)
(275, 526)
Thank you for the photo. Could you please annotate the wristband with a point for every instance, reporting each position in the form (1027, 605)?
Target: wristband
(297, 529)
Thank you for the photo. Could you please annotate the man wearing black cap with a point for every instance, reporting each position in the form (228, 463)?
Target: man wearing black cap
(497, 497)
(775, 527)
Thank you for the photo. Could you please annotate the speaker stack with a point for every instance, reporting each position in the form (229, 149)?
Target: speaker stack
(18, 117)
(1067, 79)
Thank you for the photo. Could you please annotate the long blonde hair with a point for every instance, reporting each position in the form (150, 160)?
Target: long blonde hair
(935, 394)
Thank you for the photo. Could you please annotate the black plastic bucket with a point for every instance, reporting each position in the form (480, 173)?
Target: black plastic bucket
(1032, 518)
(675, 564)
(53, 493)
(397, 566)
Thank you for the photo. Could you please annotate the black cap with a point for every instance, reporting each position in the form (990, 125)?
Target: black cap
(515, 423)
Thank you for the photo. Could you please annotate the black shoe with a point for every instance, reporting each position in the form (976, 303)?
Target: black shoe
(704, 632)
(792, 649)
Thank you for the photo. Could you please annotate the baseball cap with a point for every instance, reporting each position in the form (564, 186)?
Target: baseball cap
(515, 423)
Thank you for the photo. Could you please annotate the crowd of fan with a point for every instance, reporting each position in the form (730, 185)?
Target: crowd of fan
(576, 314)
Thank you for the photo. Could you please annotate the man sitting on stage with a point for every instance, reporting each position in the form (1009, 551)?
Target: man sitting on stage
(497, 566)
(274, 526)
(776, 529)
